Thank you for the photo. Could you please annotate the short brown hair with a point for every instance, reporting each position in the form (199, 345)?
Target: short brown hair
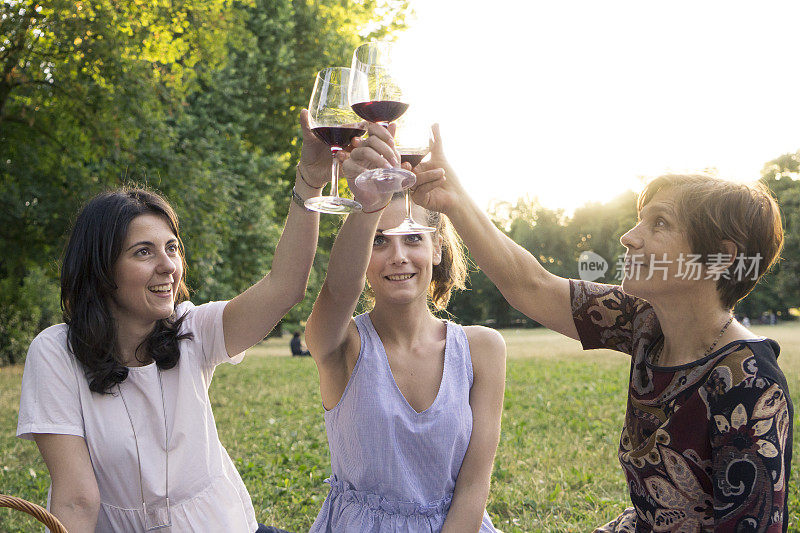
(711, 210)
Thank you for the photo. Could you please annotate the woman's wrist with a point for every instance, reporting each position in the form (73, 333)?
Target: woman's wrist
(302, 186)
(377, 208)
(463, 206)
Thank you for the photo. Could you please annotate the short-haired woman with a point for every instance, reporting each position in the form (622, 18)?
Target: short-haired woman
(707, 439)
(116, 398)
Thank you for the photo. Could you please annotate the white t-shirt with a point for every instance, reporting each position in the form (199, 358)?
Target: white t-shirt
(206, 492)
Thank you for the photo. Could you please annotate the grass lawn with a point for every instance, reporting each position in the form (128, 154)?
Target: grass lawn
(556, 467)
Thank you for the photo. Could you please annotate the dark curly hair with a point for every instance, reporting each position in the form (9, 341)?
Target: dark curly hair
(87, 282)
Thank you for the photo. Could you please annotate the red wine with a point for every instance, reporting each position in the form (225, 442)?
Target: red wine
(414, 159)
(337, 136)
(380, 110)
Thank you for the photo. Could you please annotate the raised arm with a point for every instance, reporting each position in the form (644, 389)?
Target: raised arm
(74, 500)
(251, 315)
(488, 352)
(524, 283)
(327, 327)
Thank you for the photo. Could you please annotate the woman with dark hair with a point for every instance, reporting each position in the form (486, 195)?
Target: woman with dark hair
(412, 402)
(707, 440)
(116, 398)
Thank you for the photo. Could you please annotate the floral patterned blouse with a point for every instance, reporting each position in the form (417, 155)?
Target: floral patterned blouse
(706, 446)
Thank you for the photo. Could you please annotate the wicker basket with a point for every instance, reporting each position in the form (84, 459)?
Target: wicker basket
(39, 513)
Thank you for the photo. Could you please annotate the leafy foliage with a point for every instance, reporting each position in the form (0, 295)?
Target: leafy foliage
(198, 100)
(779, 291)
(557, 242)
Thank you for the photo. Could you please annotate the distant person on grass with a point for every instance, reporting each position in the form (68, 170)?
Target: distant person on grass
(707, 440)
(117, 397)
(296, 345)
(412, 402)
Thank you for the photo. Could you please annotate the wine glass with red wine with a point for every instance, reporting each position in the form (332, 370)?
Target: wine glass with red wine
(377, 95)
(333, 121)
(413, 145)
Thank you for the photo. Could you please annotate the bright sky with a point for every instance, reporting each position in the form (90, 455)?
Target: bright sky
(574, 101)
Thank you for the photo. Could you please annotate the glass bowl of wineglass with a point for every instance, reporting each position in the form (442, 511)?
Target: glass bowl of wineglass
(412, 142)
(335, 123)
(377, 95)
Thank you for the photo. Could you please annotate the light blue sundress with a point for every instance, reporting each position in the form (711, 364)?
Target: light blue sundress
(394, 469)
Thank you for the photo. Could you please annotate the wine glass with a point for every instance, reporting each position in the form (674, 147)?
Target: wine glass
(333, 121)
(377, 95)
(413, 145)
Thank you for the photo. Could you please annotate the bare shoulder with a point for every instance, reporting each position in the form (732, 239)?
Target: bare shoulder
(486, 345)
(484, 336)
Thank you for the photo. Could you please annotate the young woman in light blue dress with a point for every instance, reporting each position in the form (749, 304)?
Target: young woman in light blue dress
(412, 402)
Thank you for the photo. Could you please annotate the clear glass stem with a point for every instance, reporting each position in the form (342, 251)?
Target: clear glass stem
(408, 205)
(335, 172)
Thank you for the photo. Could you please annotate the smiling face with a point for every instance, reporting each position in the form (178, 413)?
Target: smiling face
(658, 257)
(401, 266)
(147, 273)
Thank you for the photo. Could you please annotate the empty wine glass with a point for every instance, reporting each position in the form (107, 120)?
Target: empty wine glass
(333, 121)
(377, 95)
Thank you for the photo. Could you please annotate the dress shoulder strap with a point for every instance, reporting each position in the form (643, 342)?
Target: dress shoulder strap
(371, 354)
(457, 349)
(366, 331)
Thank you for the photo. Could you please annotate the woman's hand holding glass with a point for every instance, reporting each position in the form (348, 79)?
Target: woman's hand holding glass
(437, 187)
(315, 160)
(379, 151)
(335, 123)
(413, 143)
(372, 191)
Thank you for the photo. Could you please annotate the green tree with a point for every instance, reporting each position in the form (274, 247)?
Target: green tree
(196, 99)
(80, 83)
(266, 81)
(539, 230)
(779, 290)
(597, 227)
